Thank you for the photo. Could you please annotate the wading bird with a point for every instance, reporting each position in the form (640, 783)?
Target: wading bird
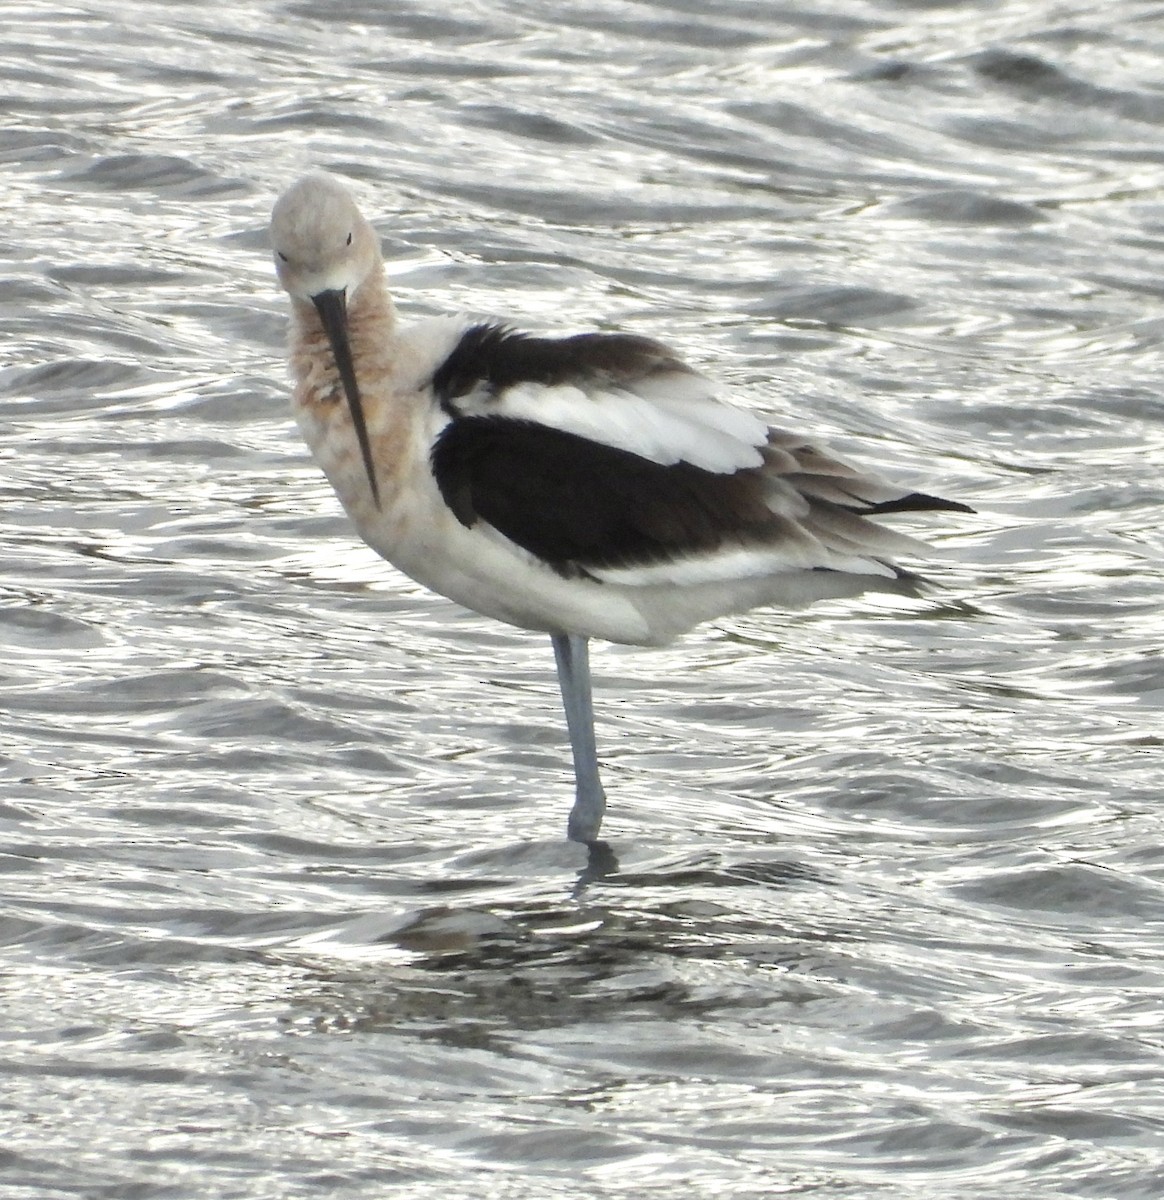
(584, 486)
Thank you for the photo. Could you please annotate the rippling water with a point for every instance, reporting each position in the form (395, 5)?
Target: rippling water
(286, 905)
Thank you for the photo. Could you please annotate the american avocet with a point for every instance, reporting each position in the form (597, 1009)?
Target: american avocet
(585, 486)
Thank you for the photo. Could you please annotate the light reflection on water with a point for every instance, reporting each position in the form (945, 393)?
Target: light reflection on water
(287, 902)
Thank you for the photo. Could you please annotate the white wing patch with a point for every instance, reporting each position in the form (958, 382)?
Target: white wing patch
(668, 418)
(744, 563)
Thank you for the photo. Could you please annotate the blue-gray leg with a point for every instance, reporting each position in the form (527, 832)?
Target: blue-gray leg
(573, 657)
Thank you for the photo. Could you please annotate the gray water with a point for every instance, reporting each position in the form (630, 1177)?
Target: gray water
(286, 907)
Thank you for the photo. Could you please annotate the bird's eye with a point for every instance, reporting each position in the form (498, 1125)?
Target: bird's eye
(349, 241)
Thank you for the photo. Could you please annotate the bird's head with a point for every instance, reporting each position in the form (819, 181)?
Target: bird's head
(325, 251)
(320, 239)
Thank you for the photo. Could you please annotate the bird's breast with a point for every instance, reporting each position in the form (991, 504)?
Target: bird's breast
(396, 433)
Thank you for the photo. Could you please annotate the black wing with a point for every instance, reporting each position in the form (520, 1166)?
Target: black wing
(578, 504)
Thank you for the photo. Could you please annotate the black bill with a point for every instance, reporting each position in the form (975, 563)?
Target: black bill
(333, 312)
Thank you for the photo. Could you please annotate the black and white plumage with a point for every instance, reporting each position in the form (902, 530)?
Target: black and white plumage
(585, 486)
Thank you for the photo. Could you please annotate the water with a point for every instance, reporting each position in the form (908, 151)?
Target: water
(286, 907)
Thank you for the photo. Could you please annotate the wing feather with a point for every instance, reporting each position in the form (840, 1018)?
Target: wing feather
(604, 455)
(627, 392)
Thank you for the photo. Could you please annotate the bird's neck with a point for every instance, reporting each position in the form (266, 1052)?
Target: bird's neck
(325, 416)
(371, 316)
(371, 322)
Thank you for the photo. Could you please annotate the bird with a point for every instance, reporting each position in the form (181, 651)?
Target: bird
(587, 485)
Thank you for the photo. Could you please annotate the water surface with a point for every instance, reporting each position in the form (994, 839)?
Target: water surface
(287, 909)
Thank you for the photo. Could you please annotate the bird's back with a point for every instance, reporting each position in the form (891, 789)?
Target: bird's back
(611, 465)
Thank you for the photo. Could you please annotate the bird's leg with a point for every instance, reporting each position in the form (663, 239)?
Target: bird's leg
(573, 657)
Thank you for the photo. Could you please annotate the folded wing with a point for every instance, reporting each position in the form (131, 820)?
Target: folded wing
(603, 455)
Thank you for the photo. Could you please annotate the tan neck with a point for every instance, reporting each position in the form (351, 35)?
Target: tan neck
(371, 323)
